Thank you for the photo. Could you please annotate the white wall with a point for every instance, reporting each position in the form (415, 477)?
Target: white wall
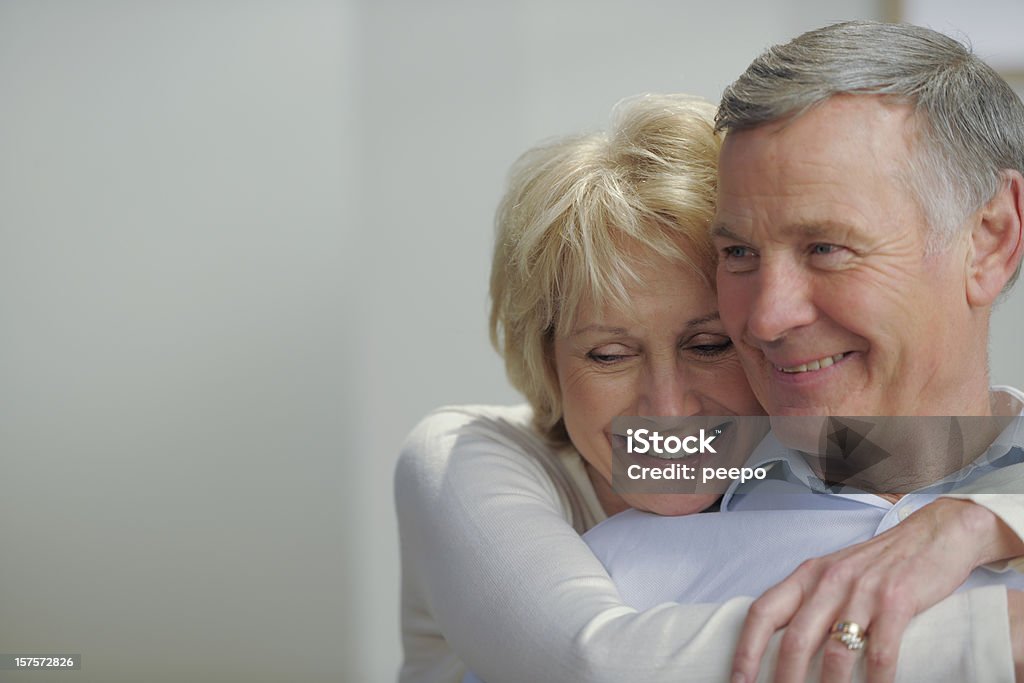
(243, 247)
(176, 211)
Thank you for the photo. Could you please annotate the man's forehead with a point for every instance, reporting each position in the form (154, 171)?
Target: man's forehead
(801, 231)
(826, 173)
(858, 120)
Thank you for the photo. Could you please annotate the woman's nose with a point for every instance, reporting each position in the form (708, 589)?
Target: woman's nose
(667, 393)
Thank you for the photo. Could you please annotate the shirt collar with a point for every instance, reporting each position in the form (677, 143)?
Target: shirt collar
(788, 465)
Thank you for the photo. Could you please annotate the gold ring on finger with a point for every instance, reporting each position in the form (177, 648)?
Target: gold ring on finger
(849, 633)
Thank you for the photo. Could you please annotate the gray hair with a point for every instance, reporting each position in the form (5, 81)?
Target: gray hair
(970, 122)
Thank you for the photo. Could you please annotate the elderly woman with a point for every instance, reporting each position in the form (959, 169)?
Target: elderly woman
(602, 306)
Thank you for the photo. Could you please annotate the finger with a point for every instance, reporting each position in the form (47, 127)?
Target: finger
(839, 659)
(882, 652)
(810, 626)
(767, 615)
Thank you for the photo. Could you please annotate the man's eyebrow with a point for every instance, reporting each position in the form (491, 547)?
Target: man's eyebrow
(723, 231)
(820, 230)
(811, 230)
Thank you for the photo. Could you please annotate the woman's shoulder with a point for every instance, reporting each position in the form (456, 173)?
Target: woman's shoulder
(465, 452)
(506, 423)
(482, 431)
(520, 415)
(486, 439)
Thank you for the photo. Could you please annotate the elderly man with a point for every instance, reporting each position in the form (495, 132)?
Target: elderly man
(869, 215)
(871, 201)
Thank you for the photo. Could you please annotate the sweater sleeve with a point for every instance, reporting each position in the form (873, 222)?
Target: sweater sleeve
(1002, 492)
(493, 568)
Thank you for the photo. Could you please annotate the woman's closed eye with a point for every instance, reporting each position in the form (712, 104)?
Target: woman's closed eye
(709, 345)
(609, 354)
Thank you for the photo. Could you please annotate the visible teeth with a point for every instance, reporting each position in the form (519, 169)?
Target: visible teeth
(813, 365)
(669, 456)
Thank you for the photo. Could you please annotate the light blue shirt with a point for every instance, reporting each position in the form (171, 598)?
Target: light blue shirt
(768, 527)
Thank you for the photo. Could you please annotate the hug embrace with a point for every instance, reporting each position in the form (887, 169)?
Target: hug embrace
(828, 242)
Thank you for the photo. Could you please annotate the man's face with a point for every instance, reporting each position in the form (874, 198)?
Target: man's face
(823, 279)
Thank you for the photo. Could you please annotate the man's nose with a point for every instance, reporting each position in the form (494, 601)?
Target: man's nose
(781, 303)
(667, 392)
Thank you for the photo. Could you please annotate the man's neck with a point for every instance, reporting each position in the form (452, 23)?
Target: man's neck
(896, 455)
(978, 436)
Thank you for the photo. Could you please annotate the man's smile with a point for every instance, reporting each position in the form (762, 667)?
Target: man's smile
(813, 365)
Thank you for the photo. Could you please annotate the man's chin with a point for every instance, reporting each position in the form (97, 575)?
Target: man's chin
(800, 426)
(800, 431)
(788, 404)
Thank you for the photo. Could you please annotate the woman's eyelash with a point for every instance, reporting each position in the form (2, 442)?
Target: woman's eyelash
(706, 350)
(605, 357)
(711, 349)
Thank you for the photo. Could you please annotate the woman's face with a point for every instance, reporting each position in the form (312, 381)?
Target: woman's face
(666, 356)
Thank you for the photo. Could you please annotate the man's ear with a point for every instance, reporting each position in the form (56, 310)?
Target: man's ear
(997, 242)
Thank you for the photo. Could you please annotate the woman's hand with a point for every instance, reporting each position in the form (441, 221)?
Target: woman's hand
(880, 585)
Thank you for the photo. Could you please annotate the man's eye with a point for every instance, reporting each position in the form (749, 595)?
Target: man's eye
(737, 252)
(830, 256)
(737, 258)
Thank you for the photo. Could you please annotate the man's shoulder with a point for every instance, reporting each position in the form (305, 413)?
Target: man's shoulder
(1007, 400)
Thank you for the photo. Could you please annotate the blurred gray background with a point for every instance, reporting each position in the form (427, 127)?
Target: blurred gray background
(243, 248)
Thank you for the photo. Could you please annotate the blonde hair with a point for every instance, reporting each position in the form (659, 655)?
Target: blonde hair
(572, 210)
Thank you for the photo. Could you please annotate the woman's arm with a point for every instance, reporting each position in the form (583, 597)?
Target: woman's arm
(1006, 522)
(513, 588)
(488, 552)
(880, 584)
(894, 576)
